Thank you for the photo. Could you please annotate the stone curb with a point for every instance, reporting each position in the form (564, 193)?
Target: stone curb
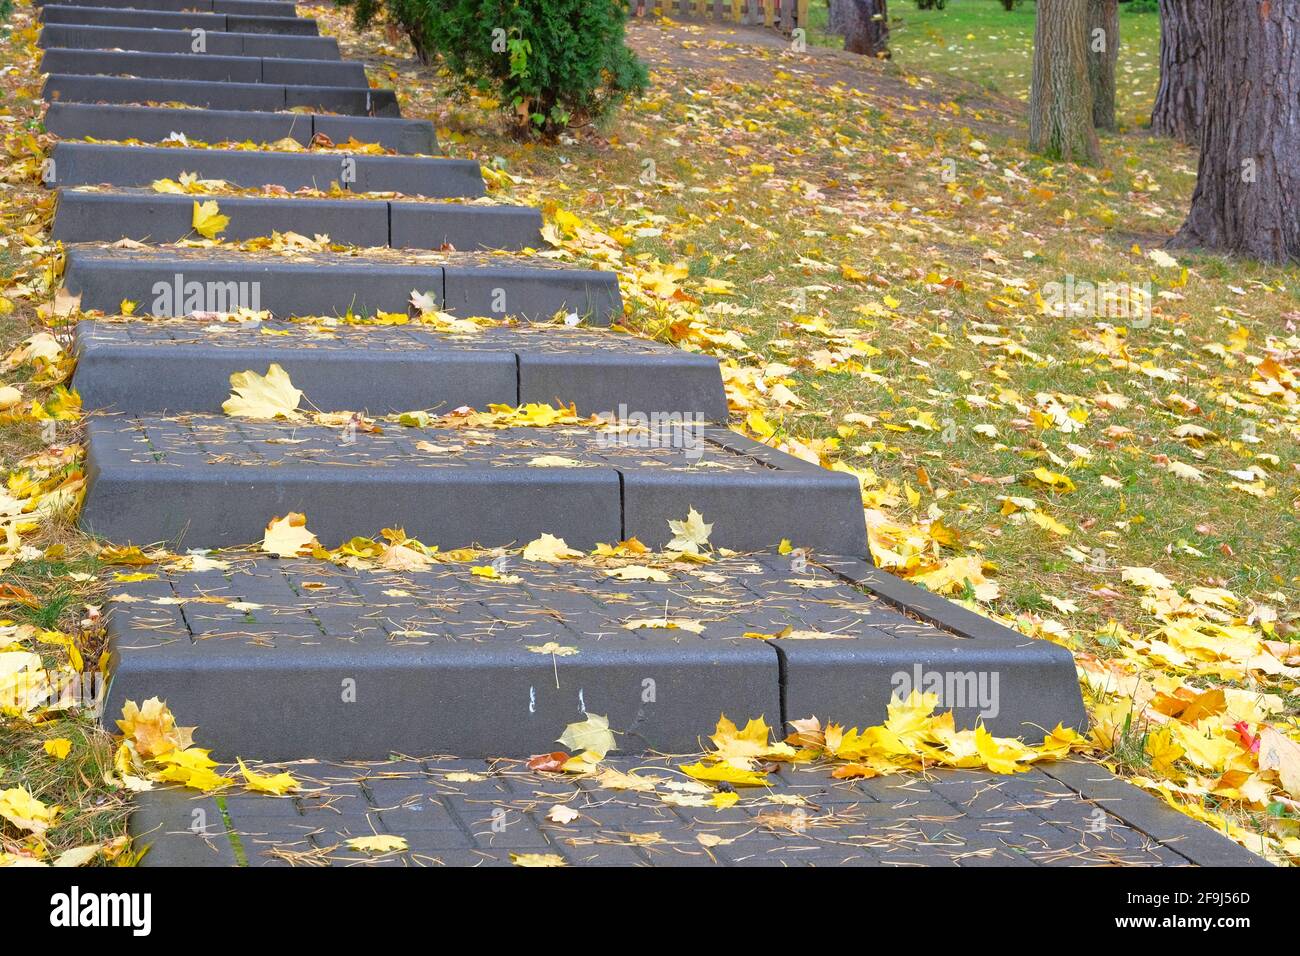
(155, 124)
(172, 41)
(123, 368)
(341, 284)
(263, 8)
(162, 218)
(205, 67)
(71, 15)
(88, 164)
(210, 481)
(255, 97)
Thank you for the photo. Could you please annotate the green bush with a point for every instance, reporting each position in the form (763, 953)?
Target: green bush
(552, 63)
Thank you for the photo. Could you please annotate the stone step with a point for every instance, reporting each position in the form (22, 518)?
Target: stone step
(256, 97)
(144, 215)
(259, 655)
(177, 282)
(156, 124)
(156, 367)
(183, 20)
(205, 67)
(257, 8)
(88, 164)
(206, 481)
(141, 40)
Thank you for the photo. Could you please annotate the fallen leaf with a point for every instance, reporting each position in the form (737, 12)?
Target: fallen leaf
(380, 843)
(592, 734)
(288, 537)
(207, 219)
(262, 397)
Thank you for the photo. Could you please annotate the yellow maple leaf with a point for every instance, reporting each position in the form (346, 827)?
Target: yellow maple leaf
(288, 537)
(262, 397)
(58, 747)
(1164, 752)
(550, 549)
(1209, 750)
(1001, 754)
(207, 219)
(622, 549)
(25, 812)
(691, 534)
(1146, 578)
(152, 728)
(380, 843)
(1282, 754)
(637, 572)
(592, 735)
(537, 859)
(278, 784)
(953, 575)
(725, 773)
(191, 767)
(1053, 480)
(555, 461)
(1048, 523)
(666, 623)
(753, 741)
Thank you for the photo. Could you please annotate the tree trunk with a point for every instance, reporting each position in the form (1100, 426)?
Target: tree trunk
(866, 26)
(1180, 101)
(1060, 97)
(1103, 54)
(1247, 198)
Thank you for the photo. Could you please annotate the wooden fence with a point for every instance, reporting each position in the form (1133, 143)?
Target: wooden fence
(782, 14)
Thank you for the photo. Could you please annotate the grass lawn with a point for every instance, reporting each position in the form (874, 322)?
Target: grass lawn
(979, 41)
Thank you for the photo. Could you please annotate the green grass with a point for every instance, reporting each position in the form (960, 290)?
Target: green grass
(979, 41)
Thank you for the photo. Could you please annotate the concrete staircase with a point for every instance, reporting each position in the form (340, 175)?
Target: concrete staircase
(439, 660)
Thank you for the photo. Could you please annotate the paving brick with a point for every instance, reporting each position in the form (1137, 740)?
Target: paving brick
(185, 366)
(187, 20)
(75, 36)
(81, 164)
(156, 124)
(255, 97)
(182, 828)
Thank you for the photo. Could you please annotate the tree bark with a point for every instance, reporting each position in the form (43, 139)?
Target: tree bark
(1103, 54)
(1060, 97)
(1247, 198)
(1180, 101)
(866, 26)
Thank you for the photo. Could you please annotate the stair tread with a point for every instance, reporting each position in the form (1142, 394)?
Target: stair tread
(537, 643)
